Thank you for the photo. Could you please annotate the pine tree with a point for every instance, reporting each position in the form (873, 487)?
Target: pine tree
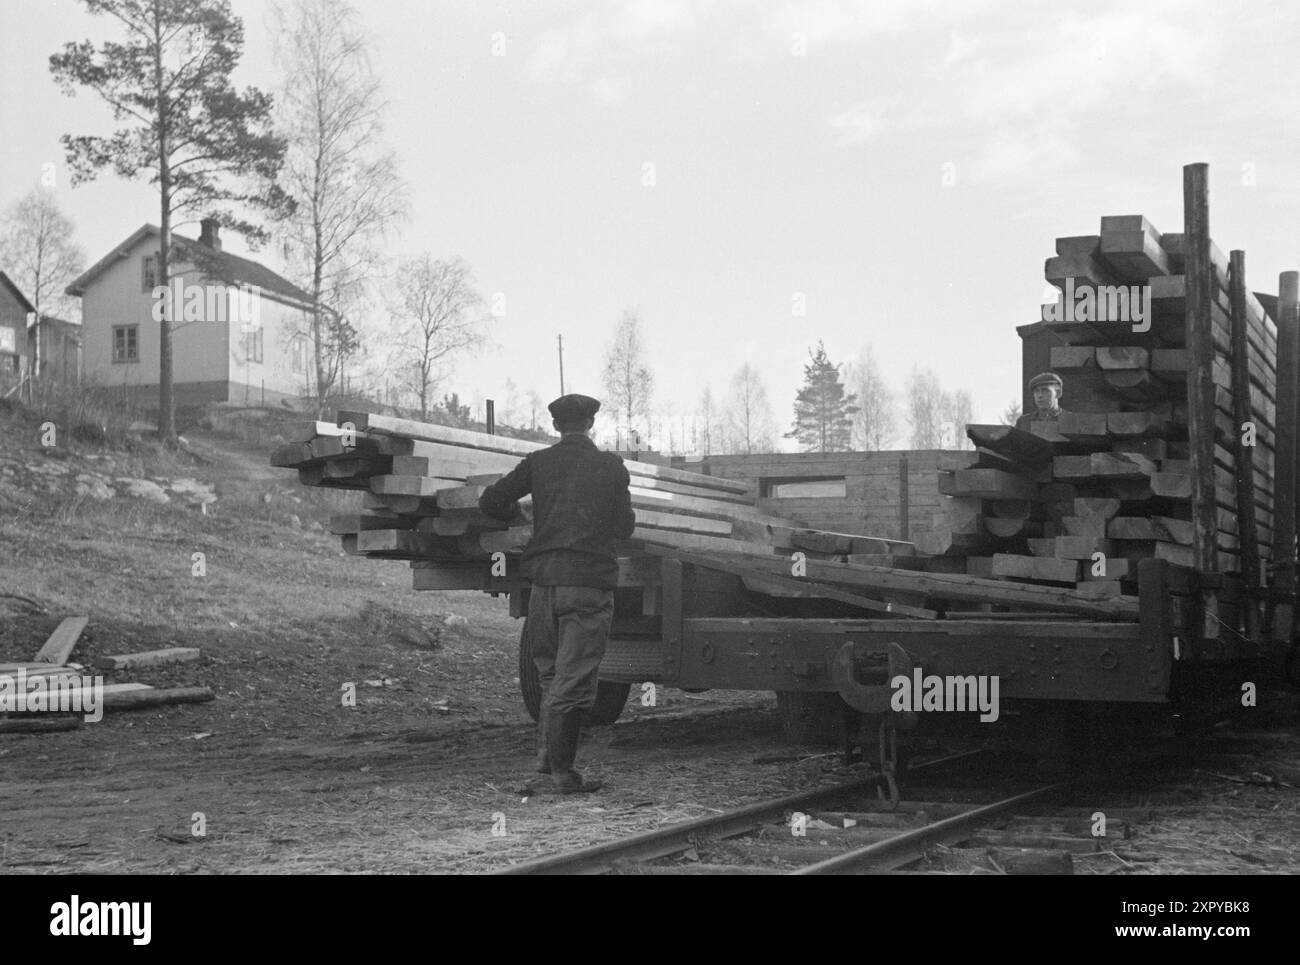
(187, 130)
(823, 413)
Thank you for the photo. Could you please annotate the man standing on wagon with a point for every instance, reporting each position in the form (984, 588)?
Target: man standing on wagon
(581, 508)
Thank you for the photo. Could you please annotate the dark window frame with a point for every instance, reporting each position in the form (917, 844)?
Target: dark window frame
(254, 346)
(149, 273)
(130, 353)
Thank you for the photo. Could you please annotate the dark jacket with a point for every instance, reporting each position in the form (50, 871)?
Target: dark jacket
(1030, 417)
(581, 508)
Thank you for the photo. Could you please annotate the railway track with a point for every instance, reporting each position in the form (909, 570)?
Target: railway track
(843, 830)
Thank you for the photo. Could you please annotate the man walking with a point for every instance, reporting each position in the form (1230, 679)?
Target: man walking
(581, 508)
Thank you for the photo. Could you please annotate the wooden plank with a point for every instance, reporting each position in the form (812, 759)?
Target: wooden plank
(1169, 364)
(685, 524)
(1168, 294)
(412, 485)
(1008, 528)
(1085, 267)
(467, 497)
(307, 431)
(957, 587)
(1068, 358)
(1099, 506)
(292, 455)
(1091, 527)
(148, 658)
(1136, 385)
(418, 506)
(1154, 449)
(1200, 387)
(990, 484)
(1036, 568)
(457, 522)
(452, 462)
(1133, 251)
(1248, 535)
(1101, 466)
(1121, 357)
(1083, 427)
(1172, 485)
(1070, 547)
(155, 697)
(1148, 528)
(1286, 450)
(1127, 425)
(58, 647)
(34, 669)
(1178, 554)
(333, 447)
(344, 523)
(1112, 568)
(481, 441)
(1010, 442)
(1048, 430)
(789, 587)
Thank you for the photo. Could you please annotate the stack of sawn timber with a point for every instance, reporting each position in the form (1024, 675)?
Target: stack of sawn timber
(1113, 474)
(422, 483)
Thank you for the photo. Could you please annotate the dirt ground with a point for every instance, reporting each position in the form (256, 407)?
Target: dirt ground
(423, 774)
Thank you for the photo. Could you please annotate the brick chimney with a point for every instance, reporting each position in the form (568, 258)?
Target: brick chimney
(210, 233)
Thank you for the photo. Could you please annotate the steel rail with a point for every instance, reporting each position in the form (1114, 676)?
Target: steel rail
(910, 845)
(600, 858)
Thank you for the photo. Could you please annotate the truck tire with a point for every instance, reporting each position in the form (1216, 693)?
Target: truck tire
(611, 696)
(810, 717)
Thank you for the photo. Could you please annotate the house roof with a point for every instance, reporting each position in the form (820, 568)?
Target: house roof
(222, 264)
(53, 321)
(14, 290)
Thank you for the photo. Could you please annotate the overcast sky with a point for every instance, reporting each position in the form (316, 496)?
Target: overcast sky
(904, 165)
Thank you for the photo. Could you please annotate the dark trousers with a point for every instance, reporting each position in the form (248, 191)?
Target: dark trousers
(569, 626)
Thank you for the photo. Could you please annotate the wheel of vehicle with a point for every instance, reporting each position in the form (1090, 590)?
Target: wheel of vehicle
(611, 696)
(811, 718)
(529, 686)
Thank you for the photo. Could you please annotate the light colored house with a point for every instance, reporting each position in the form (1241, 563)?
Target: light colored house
(239, 330)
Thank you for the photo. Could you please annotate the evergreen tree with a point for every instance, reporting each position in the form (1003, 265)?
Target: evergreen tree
(203, 144)
(823, 413)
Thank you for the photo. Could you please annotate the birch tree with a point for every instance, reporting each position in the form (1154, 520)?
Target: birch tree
(876, 421)
(39, 255)
(345, 183)
(439, 313)
(627, 376)
(749, 413)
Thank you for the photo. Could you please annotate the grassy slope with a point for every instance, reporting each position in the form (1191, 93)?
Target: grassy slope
(272, 588)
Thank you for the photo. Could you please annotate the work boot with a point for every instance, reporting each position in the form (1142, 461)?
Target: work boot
(562, 741)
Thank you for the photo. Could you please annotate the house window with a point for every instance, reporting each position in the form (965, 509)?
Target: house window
(126, 343)
(820, 488)
(253, 345)
(298, 355)
(149, 273)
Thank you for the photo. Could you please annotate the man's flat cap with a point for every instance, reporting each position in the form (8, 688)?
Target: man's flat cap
(573, 408)
(1045, 378)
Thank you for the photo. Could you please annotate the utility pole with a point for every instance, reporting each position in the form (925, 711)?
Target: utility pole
(559, 340)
